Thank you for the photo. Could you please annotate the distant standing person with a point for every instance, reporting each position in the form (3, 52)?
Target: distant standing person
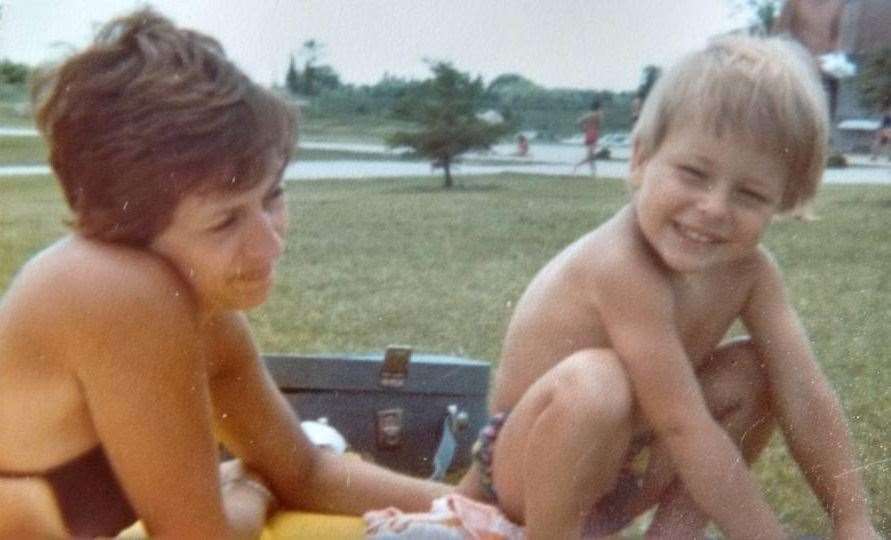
(522, 145)
(883, 135)
(590, 124)
(815, 24)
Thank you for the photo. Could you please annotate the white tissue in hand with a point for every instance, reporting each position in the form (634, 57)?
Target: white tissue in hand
(324, 436)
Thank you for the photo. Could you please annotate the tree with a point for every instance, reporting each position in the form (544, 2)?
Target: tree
(325, 78)
(445, 107)
(311, 51)
(511, 84)
(292, 79)
(648, 78)
(13, 73)
(874, 79)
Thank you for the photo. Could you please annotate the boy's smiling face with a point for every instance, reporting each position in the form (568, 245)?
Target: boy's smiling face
(701, 200)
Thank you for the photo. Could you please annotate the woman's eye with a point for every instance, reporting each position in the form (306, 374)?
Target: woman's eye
(225, 224)
(275, 194)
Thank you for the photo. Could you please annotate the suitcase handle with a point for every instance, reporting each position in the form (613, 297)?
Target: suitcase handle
(455, 421)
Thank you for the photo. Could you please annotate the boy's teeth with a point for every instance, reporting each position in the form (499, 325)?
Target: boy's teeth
(693, 235)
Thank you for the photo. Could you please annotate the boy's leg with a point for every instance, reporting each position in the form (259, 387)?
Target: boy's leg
(736, 392)
(561, 447)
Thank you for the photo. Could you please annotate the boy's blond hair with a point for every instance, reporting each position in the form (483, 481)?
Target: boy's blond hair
(765, 90)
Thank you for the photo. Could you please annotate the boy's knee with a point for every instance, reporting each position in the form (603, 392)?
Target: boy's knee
(593, 385)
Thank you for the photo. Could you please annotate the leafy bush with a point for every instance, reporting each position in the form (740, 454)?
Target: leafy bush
(874, 80)
(836, 161)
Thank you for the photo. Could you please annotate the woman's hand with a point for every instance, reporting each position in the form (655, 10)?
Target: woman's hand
(246, 499)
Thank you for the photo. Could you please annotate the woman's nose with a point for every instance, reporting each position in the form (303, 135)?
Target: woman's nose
(265, 240)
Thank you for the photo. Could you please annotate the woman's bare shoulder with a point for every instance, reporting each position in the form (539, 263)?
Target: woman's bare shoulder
(85, 270)
(84, 287)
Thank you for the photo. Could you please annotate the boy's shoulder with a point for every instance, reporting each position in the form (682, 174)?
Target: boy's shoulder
(610, 256)
(605, 249)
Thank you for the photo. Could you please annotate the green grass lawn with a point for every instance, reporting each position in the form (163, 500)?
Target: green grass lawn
(32, 150)
(22, 151)
(372, 263)
(12, 109)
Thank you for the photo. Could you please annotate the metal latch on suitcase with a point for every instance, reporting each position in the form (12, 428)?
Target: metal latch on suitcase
(389, 428)
(456, 421)
(394, 370)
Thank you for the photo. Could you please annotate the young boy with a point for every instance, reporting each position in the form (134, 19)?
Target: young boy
(618, 345)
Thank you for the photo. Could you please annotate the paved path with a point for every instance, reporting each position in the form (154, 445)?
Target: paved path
(544, 159)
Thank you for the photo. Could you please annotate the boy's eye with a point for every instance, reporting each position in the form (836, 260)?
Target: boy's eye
(754, 196)
(692, 173)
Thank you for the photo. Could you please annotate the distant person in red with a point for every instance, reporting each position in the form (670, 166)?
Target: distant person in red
(522, 146)
(883, 135)
(590, 125)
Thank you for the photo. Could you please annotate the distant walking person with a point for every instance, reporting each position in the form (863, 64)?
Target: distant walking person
(883, 135)
(590, 125)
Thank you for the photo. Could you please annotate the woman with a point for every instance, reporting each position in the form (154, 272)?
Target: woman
(124, 353)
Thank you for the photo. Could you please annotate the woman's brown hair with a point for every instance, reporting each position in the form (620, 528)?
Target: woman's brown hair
(147, 114)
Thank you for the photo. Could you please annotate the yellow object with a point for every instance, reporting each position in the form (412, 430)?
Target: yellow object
(293, 525)
(287, 525)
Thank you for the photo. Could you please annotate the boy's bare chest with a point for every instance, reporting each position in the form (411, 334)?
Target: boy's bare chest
(705, 311)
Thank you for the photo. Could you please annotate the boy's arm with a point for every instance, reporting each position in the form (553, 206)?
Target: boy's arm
(641, 325)
(805, 406)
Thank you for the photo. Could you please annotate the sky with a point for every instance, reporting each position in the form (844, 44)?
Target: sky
(589, 44)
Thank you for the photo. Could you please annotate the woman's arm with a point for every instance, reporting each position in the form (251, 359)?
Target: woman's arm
(135, 349)
(258, 425)
(806, 407)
